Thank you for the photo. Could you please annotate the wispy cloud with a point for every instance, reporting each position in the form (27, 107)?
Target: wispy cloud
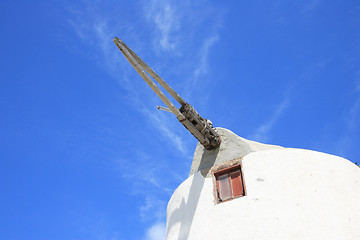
(95, 31)
(165, 18)
(350, 134)
(152, 207)
(156, 232)
(163, 123)
(202, 67)
(156, 193)
(184, 30)
(310, 5)
(357, 83)
(262, 133)
(148, 173)
(353, 116)
(190, 34)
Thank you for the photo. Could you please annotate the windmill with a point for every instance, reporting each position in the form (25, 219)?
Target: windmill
(241, 189)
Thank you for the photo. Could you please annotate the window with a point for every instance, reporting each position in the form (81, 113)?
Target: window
(229, 184)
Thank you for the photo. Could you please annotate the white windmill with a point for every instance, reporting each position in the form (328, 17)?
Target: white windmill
(241, 189)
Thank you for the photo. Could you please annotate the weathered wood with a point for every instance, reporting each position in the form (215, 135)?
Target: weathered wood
(155, 76)
(200, 128)
(163, 109)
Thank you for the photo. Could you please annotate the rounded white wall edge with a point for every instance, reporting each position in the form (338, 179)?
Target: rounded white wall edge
(291, 194)
(231, 146)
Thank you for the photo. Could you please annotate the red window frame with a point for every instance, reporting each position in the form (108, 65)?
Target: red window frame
(229, 183)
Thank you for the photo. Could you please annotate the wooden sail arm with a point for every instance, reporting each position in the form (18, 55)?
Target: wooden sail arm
(151, 72)
(198, 127)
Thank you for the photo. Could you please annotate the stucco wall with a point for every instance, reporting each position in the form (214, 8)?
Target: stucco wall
(291, 194)
(231, 146)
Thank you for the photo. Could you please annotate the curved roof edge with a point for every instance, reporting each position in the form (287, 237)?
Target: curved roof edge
(232, 146)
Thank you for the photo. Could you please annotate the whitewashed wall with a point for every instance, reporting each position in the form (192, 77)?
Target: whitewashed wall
(291, 194)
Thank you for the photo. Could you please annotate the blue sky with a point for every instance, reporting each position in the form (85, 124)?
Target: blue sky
(85, 153)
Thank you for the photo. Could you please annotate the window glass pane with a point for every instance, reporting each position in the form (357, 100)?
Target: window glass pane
(224, 187)
(236, 183)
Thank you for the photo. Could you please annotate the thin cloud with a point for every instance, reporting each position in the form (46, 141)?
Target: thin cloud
(353, 115)
(169, 26)
(350, 133)
(175, 24)
(156, 232)
(153, 208)
(357, 84)
(100, 39)
(164, 16)
(262, 133)
(311, 5)
(202, 68)
(148, 173)
(163, 123)
(95, 32)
